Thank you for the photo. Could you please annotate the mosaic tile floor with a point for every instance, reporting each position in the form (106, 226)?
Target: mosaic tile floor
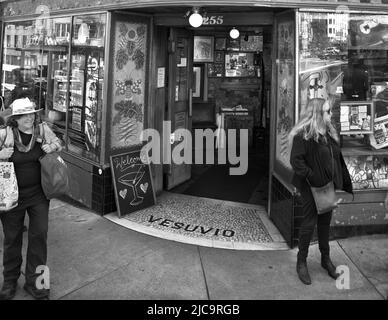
(207, 222)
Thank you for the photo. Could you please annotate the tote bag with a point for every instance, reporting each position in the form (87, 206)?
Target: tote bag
(9, 191)
(54, 175)
(325, 197)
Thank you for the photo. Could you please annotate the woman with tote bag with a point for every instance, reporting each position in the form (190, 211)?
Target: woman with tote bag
(25, 151)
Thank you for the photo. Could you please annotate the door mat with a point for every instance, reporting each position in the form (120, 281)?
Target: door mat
(205, 222)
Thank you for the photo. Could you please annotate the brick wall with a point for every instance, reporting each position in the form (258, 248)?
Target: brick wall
(103, 199)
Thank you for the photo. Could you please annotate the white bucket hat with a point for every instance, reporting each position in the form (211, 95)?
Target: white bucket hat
(23, 106)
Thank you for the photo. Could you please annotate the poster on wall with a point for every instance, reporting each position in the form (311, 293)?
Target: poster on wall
(239, 64)
(356, 117)
(215, 70)
(203, 48)
(379, 138)
(129, 43)
(368, 31)
(285, 101)
(253, 43)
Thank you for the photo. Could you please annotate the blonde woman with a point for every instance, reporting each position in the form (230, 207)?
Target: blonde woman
(314, 149)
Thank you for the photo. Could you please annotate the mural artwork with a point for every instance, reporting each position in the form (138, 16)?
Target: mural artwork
(286, 92)
(129, 83)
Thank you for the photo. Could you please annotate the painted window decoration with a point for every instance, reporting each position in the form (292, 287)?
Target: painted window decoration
(130, 47)
(286, 91)
(368, 171)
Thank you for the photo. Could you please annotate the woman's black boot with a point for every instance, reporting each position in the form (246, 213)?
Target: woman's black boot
(329, 267)
(303, 272)
(8, 290)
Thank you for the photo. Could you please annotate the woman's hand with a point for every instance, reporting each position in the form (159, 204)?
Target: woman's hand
(48, 148)
(6, 153)
(339, 200)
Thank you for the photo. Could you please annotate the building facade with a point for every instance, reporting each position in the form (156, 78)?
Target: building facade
(104, 70)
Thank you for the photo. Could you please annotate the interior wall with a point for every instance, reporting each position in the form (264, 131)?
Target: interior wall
(251, 93)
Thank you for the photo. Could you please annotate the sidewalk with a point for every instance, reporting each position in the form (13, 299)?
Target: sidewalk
(93, 258)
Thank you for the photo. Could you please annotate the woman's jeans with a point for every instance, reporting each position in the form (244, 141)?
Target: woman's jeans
(13, 224)
(309, 220)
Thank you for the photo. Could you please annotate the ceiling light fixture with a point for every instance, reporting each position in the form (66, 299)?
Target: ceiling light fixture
(234, 33)
(195, 18)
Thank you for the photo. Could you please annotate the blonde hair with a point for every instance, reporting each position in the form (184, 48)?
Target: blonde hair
(312, 124)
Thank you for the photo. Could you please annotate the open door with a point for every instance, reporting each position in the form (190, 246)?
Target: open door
(179, 97)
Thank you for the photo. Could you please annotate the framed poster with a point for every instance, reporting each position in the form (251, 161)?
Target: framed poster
(253, 43)
(132, 182)
(219, 56)
(203, 49)
(220, 43)
(215, 70)
(356, 117)
(233, 44)
(239, 64)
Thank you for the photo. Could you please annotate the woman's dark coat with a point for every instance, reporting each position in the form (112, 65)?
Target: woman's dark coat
(312, 160)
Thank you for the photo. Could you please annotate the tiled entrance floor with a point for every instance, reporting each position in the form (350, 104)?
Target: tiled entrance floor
(206, 222)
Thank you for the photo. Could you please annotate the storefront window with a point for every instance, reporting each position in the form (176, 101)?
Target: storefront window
(344, 58)
(86, 85)
(24, 62)
(36, 62)
(57, 48)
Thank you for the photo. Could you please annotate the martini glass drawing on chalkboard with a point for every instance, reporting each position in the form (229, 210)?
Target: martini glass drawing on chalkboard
(132, 179)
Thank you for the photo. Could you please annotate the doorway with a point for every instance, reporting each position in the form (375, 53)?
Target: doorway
(202, 79)
(231, 82)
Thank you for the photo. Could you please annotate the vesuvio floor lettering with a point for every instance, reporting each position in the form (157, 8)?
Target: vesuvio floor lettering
(191, 228)
(206, 222)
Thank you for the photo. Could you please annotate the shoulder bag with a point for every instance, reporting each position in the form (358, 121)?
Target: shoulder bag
(54, 174)
(325, 197)
(9, 191)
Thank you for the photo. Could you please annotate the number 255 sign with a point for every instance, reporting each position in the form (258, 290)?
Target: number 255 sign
(213, 20)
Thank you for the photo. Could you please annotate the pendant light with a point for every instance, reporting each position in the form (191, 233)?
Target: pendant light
(234, 33)
(195, 18)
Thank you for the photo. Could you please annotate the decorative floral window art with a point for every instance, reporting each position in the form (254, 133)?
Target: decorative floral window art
(128, 96)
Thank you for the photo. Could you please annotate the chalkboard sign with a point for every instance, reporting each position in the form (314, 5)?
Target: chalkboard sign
(132, 182)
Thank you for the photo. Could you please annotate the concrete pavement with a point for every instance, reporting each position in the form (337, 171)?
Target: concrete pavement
(93, 258)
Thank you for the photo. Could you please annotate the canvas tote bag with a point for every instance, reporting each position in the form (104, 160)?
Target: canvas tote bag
(325, 197)
(9, 191)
